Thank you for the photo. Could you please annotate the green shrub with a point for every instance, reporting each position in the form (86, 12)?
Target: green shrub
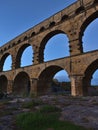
(35, 121)
(49, 108)
(43, 121)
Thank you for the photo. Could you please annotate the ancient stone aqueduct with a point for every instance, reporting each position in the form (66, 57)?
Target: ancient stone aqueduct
(36, 78)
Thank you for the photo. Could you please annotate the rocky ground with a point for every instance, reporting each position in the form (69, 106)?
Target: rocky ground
(79, 110)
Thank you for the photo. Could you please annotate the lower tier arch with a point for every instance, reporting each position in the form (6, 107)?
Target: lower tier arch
(3, 83)
(45, 79)
(21, 85)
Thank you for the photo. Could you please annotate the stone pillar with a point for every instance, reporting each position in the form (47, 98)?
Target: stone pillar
(75, 47)
(77, 85)
(75, 43)
(36, 55)
(86, 86)
(13, 62)
(33, 84)
(35, 59)
(1, 67)
(10, 86)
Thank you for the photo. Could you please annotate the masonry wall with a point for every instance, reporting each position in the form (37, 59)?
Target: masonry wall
(71, 21)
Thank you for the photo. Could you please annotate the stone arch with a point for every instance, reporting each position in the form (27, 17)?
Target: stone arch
(88, 76)
(52, 24)
(42, 29)
(33, 34)
(86, 23)
(19, 54)
(19, 41)
(45, 78)
(44, 42)
(64, 17)
(80, 9)
(25, 38)
(21, 85)
(3, 83)
(13, 44)
(3, 60)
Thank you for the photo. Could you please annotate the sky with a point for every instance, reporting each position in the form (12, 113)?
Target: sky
(17, 16)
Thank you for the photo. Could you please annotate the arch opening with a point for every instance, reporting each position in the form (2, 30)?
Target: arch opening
(88, 33)
(80, 9)
(94, 80)
(27, 56)
(90, 81)
(54, 79)
(90, 38)
(54, 41)
(6, 62)
(56, 47)
(21, 84)
(24, 56)
(3, 84)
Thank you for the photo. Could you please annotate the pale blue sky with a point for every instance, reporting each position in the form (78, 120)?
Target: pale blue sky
(17, 16)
